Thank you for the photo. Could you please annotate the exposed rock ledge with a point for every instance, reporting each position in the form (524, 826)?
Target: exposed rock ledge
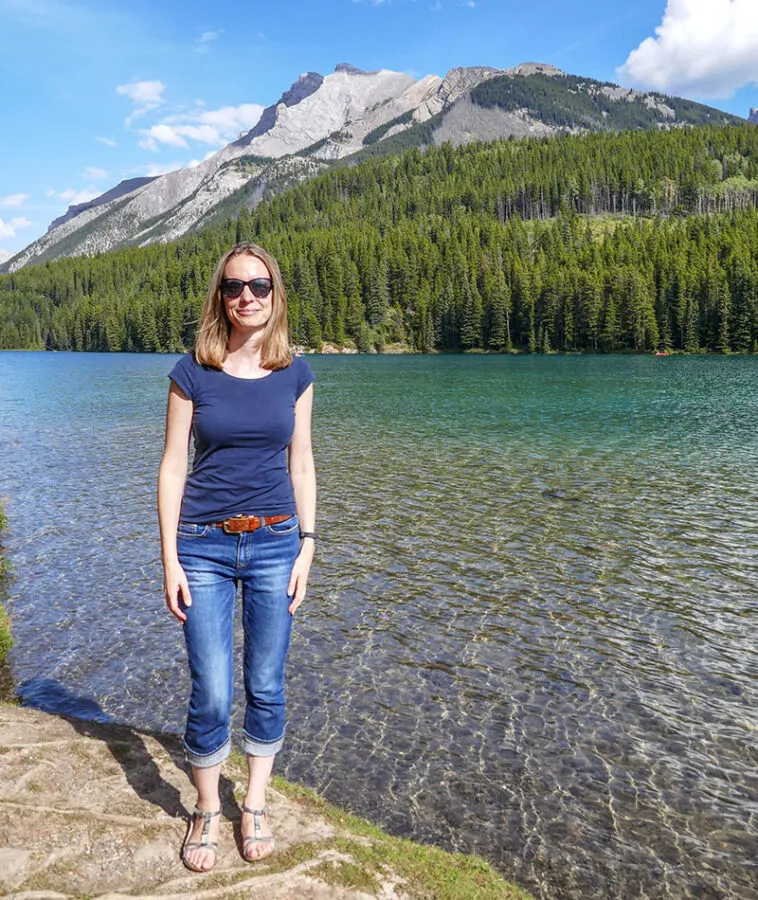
(99, 811)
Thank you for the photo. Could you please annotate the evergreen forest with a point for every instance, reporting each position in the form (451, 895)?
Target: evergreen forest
(633, 241)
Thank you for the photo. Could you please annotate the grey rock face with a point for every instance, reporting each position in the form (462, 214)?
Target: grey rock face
(455, 84)
(753, 117)
(306, 84)
(341, 100)
(467, 122)
(532, 68)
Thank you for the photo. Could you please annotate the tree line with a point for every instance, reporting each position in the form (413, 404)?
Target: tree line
(635, 241)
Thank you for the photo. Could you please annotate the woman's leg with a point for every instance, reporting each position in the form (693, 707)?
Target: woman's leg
(208, 800)
(209, 637)
(258, 773)
(267, 626)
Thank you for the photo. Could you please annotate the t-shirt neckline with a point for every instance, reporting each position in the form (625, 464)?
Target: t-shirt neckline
(242, 378)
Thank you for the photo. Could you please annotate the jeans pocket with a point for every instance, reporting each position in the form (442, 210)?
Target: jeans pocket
(191, 530)
(285, 527)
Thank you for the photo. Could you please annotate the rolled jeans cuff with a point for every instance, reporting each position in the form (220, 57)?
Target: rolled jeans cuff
(209, 759)
(261, 748)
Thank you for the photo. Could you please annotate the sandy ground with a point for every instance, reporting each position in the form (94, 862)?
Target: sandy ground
(100, 811)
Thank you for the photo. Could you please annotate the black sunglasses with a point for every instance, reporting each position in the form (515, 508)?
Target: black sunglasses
(231, 288)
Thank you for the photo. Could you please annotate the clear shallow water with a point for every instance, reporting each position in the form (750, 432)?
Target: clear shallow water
(532, 627)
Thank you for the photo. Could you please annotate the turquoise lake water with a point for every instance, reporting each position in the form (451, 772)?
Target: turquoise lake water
(532, 630)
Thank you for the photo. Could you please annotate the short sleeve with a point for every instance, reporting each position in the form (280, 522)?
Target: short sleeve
(305, 376)
(184, 375)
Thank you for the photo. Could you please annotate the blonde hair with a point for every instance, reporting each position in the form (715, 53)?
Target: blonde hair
(211, 342)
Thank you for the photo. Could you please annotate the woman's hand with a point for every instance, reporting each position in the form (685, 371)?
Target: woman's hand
(175, 586)
(299, 577)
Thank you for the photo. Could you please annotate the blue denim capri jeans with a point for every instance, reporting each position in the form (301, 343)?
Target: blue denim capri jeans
(216, 563)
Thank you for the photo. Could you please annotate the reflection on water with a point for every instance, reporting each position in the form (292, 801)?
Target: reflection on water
(532, 628)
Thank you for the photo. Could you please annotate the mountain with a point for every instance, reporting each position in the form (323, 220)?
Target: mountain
(753, 117)
(123, 187)
(321, 121)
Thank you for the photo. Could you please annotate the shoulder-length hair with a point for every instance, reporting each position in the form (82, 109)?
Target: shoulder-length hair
(211, 342)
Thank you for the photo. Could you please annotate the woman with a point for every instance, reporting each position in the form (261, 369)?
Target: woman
(245, 517)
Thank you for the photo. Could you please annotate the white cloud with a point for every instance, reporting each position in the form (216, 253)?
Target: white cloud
(143, 91)
(93, 174)
(213, 127)
(206, 38)
(14, 200)
(471, 4)
(9, 229)
(702, 47)
(436, 7)
(203, 134)
(5, 255)
(50, 192)
(145, 95)
(162, 134)
(107, 141)
(229, 119)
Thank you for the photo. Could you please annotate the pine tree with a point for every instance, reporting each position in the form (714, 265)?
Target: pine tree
(471, 313)
(377, 296)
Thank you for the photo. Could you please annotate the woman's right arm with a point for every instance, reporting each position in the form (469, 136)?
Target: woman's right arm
(171, 477)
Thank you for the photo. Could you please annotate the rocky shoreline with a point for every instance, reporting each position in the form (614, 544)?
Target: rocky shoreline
(100, 811)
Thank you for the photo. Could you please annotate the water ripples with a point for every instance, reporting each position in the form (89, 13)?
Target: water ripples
(531, 630)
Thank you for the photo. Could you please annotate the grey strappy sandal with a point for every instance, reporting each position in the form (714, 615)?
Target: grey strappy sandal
(203, 843)
(256, 837)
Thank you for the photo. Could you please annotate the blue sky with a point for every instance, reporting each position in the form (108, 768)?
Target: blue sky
(95, 91)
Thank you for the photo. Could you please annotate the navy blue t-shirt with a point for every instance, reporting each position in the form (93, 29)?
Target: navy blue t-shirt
(241, 429)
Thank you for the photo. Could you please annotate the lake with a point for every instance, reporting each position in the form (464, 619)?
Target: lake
(532, 629)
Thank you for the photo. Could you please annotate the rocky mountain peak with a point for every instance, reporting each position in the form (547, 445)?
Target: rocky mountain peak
(461, 80)
(307, 83)
(350, 69)
(753, 117)
(533, 68)
(332, 103)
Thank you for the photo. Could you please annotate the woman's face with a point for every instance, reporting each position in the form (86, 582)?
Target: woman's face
(247, 312)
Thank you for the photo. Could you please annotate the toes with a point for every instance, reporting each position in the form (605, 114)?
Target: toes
(259, 850)
(200, 859)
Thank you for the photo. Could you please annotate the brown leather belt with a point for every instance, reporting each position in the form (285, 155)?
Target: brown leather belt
(238, 524)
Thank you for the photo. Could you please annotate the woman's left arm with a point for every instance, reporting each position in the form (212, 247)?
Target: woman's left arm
(303, 474)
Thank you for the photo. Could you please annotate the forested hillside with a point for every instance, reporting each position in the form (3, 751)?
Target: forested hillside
(576, 102)
(603, 242)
